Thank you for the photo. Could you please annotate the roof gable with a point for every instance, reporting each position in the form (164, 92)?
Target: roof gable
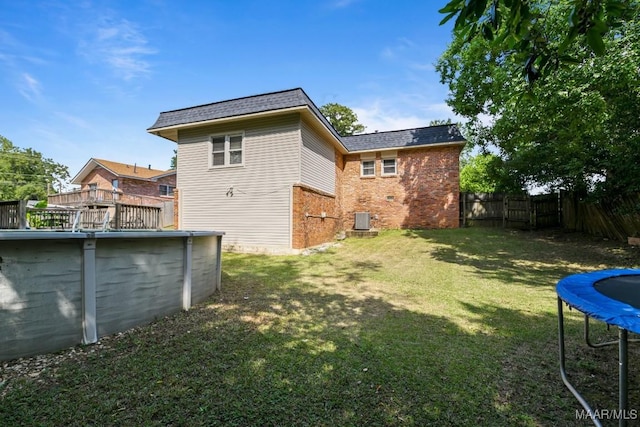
(169, 122)
(263, 103)
(121, 170)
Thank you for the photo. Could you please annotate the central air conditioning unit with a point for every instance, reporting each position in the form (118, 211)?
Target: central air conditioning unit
(363, 221)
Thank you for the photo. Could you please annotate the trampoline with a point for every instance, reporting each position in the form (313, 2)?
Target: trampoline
(613, 297)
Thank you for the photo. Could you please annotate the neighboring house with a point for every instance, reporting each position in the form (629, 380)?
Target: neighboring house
(104, 182)
(273, 174)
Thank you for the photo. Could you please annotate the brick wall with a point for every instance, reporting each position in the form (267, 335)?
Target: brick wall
(130, 187)
(423, 194)
(312, 229)
(176, 209)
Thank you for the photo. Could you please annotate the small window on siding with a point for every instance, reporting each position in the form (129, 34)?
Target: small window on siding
(227, 150)
(389, 167)
(368, 168)
(166, 190)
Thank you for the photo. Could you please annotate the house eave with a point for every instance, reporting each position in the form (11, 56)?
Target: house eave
(412, 147)
(171, 132)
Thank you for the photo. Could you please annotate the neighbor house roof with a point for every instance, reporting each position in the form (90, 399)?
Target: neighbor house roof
(169, 122)
(407, 138)
(122, 170)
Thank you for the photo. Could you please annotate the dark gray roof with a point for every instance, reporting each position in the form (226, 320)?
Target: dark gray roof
(298, 98)
(403, 138)
(240, 107)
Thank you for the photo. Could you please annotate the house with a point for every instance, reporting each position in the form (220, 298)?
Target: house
(272, 173)
(104, 182)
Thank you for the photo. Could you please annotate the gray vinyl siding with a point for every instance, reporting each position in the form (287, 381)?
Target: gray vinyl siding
(318, 161)
(257, 211)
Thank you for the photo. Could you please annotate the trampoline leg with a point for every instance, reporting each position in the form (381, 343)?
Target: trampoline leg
(588, 341)
(623, 371)
(563, 371)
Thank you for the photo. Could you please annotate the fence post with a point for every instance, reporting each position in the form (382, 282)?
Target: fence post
(89, 325)
(117, 217)
(505, 211)
(187, 267)
(464, 209)
(22, 214)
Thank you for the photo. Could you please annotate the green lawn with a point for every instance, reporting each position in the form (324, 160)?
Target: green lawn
(441, 327)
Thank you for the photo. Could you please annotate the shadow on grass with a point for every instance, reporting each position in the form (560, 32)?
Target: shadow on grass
(533, 258)
(274, 348)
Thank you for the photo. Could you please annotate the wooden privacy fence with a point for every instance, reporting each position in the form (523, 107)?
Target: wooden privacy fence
(15, 215)
(511, 211)
(616, 219)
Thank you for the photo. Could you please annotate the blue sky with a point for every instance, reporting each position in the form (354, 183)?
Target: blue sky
(84, 79)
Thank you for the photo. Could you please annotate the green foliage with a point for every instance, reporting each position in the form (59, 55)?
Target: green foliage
(478, 174)
(26, 174)
(440, 122)
(174, 160)
(576, 129)
(342, 118)
(520, 26)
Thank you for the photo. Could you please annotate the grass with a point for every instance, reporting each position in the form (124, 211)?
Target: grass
(442, 327)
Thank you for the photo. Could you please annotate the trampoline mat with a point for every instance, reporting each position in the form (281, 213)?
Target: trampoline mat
(622, 288)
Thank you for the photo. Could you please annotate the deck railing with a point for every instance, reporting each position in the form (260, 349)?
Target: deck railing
(102, 197)
(15, 215)
(83, 197)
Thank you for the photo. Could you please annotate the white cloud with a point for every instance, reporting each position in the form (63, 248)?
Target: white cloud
(119, 44)
(73, 120)
(29, 87)
(401, 45)
(385, 114)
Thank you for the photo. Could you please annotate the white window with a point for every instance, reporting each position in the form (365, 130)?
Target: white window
(368, 168)
(368, 165)
(226, 150)
(166, 190)
(114, 183)
(389, 166)
(389, 163)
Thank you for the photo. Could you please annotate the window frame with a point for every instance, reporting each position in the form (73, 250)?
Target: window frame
(367, 158)
(372, 168)
(227, 151)
(169, 192)
(386, 157)
(395, 167)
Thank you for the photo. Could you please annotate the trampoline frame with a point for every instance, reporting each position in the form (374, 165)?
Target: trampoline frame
(623, 365)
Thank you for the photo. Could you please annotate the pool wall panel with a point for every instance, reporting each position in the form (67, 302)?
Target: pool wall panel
(50, 293)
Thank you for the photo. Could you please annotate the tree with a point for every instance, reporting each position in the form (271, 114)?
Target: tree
(576, 129)
(440, 122)
(26, 174)
(520, 27)
(174, 160)
(484, 173)
(342, 118)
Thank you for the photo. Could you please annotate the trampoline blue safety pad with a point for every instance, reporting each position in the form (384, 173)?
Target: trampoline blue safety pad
(611, 296)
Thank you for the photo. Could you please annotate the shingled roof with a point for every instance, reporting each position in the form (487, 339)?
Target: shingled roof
(169, 121)
(122, 170)
(432, 135)
(238, 107)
